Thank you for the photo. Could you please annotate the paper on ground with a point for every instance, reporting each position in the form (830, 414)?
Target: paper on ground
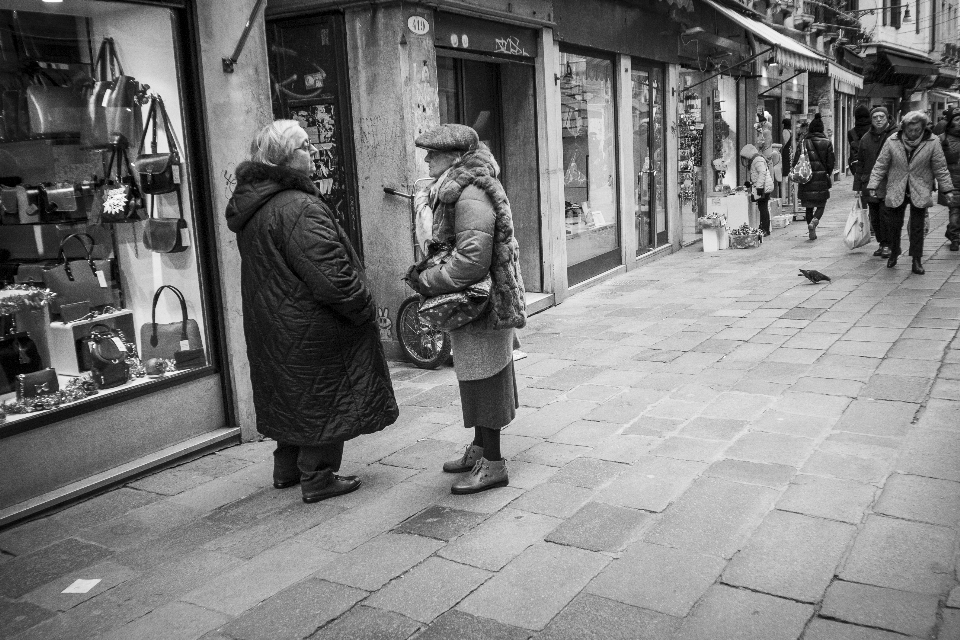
(82, 586)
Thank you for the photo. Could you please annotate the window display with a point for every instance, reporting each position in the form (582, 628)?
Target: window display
(100, 288)
(648, 145)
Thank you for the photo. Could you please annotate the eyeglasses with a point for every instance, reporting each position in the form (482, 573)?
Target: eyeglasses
(306, 146)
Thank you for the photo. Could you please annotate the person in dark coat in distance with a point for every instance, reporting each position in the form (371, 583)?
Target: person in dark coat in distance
(869, 149)
(861, 119)
(909, 163)
(317, 366)
(950, 140)
(814, 194)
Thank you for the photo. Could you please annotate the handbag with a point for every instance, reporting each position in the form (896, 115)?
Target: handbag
(856, 232)
(80, 280)
(165, 340)
(38, 383)
(54, 111)
(30, 204)
(18, 355)
(122, 200)
(63, 203)
(157, 170)
(450, 311)
(113, 103)
(105, 356)
(802, 171)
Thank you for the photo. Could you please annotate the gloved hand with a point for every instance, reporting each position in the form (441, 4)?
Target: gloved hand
(413, 278)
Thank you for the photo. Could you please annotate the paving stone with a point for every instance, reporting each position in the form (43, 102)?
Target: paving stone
(585, 432)
(168, 581)
(172, 545)
(499, 539)
(622, 448)
(940, 414)
(553, 499)
(138, 525)
(945, 390)
(877, 417)
(689, 449)
(741, 406)
(658, 578)
(377, 480)
(254, 508)
(174, 621)
(279, 526)
(463, 626)
(485, 502)
(931, 453)
(898, 388)
(780, 372)
(262, 577)
(600, 527)
(713, 428)
(831, 498)
(954, 600)
(951, 625)
(92, 619)
(590, 617)
(372, 565)
(552, 418)
(773, 421)
(25, 573)
(726, 612)
(836, 465)
(423, 454)
(409, 428)
(873, 334)
(536, 397)
(516, 596)
(921, 499)
(790, 555)
(676, 409)
(627, 407)
(918, 349)
(51, 597)
(873, 349)
(898, 554)
(367, 623)
(552, 454)
(770, 448)
(812, 404)
(545, 367)
(828, 386)
(568, 378)
(218, 492)
(912, 614)
(526, 475)
(442, 523)
(428, 590)
(652, 483)
(768, 475)
(30, 536)
(170, 482)
(820, 629)
(713, 517)
(588, 473)
(439, 396)
(862, 445)
(651, 426)
(19, 616)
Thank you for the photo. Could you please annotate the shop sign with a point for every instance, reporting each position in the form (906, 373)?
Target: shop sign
(482, 36)
(418, 25)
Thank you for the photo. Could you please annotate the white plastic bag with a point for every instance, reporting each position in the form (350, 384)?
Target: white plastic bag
(856, 232)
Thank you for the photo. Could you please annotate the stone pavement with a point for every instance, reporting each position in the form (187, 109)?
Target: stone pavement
(709, 448)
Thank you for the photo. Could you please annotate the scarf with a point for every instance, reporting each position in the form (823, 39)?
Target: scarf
(911, 145)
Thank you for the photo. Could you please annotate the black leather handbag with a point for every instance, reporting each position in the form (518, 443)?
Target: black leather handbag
(122, 200)
(157, 170)
(102, 344)
(80, 280)
(107, 357)
(18, 356)
(38, 383)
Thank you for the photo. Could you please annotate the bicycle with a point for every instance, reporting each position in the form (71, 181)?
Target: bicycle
(423, 346)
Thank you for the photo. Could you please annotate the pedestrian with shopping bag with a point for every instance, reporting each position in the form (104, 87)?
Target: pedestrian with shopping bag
(814, 193)
(760, 181)
(909, 162)
(950, 141)
(867, 152)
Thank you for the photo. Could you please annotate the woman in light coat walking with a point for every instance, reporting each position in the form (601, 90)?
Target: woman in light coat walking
(904, 173)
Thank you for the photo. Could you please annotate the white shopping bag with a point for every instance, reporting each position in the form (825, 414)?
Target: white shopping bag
(856, 232)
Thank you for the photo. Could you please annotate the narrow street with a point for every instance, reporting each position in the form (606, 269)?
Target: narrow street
(709, 448)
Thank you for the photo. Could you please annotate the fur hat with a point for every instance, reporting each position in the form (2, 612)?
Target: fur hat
(448, 137)
(817, 125)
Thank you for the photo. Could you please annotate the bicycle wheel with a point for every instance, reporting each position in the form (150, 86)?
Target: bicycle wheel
(426, 348)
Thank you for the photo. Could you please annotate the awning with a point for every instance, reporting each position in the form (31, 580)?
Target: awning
(786, 51)
(910, 67)
(950, 96)
(844, 80)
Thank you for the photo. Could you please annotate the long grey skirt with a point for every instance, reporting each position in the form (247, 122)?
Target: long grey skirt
(491, 402)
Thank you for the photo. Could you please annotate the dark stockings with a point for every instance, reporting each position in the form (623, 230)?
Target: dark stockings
(478, 436)
(814, 213)
(491, 443)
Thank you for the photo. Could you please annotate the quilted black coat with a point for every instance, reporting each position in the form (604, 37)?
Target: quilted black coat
(869, 150)
(822, 159)
(317, 367)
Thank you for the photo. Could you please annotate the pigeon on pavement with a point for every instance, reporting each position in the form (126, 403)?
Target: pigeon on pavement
(814, 276)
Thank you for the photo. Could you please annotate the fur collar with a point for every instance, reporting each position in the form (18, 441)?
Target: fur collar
(474, 166)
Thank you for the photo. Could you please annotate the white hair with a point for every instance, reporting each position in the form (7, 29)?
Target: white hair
(915, 116)
(274, 144)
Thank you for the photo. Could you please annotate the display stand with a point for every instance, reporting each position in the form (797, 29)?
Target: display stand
(715, 239)
(63, 338)
(738, 209)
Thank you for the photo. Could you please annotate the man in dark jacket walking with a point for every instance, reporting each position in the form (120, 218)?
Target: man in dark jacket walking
(861, 121)
(814, 194)
(950, 139)
(317, 367)
(868, 150)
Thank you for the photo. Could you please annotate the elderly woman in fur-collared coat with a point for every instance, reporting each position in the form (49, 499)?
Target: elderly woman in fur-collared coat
(317, 367)
(472, 214)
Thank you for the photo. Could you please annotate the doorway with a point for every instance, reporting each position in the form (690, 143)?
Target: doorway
(648, 148)
(478, 91)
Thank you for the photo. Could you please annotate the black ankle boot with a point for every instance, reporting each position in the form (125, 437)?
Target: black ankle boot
(918, 267)
(891, 261)
(321, 485)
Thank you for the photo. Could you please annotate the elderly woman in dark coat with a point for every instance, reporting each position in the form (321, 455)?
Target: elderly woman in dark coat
(472, 214)
(950, 141)
(869, 150)
(814, 194)
(317, 367)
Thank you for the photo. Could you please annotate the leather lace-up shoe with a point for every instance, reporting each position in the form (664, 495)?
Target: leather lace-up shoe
(321, 485)
(917, 267)
(885, 251)
(486, 474)
(878, 252)
(466, 462)
(892, 261)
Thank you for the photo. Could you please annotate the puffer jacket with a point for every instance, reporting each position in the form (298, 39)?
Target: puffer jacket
(868, 151)
(816, 192)
(317, 367)
(760, 177)
(951, 152)
(893, 171)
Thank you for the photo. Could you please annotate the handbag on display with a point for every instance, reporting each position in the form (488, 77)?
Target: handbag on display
(113, 102)
(158, 172)
(166, 340)
(64, 203)
(38, 383)
(54, 110)
(80, 280)
(18, 356)
(122, 200)
(105, 355)
(30, 204)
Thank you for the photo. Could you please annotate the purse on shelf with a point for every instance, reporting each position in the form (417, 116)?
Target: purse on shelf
(122, 200)
(18, 356)
(166, 340)
(38, 383)
(80, 280)
(113, 102)
(104, 354)
(64, 203)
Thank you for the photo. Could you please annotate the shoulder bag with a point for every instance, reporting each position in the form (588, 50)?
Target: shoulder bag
(113, 103)
(167, 340)
(159, 174)
(38, 383)
(122, 200)
(80, 280)
(105, 357)
(18, 356)
(802, 171)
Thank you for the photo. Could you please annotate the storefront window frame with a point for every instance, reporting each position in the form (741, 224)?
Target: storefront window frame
(187, 61)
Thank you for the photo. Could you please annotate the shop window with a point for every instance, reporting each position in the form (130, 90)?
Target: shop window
(648, 147)
(589, 163)
(97, 215)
